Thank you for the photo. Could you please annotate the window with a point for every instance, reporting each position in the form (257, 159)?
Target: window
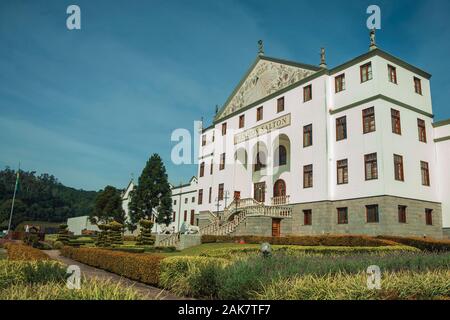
(341, 128)
(402, 214)
(193, 199)
(220, 192)
(342, 215)
(307, 136)
(202, 169)
(372, 213)
(185, 200)
(241, 121)
(429, 217)
(395, 120)
(307, 93)
(192, 217)
(259, 191)
(280, 104)
(339, 83)
(259, 114)
(308, 176)
(260, 161)
(211, 167)
(370, 161)
(366, 72)
(200, 196)
(368, 120)
(174, 216)
(425, 173)
(222, 161)
(398, 168)
(342, 171)
(174, 202)
(422, 130)
(209, 194)
(282, 156)
(417, 85)
(307, 217)
(392, 72)
(203, 139)
(224, 128)
(185, 215)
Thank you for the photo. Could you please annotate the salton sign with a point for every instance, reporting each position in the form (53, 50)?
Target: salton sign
(264, 128)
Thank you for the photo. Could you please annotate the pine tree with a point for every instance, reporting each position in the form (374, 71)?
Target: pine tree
(152, 192)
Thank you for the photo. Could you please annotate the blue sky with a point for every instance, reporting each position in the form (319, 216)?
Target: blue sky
(90, 106)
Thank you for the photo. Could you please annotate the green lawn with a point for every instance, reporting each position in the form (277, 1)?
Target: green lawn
(2, 254)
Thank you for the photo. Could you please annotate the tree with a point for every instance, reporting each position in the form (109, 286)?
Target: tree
(152, 193)
(108, 207)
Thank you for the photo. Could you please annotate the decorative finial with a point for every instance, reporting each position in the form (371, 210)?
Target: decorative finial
(260, 48)
(132, 176)
(217, 109)
(372, 40)
(323, 63)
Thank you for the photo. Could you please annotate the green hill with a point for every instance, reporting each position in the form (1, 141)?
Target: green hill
(41, 198)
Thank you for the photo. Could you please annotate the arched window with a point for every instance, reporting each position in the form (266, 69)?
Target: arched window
(282, 156)
(279, 188)
(260, 161)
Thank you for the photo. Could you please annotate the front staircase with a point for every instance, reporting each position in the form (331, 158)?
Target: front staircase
(235, 213)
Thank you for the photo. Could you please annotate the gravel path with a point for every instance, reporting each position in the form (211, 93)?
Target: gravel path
(149, 292)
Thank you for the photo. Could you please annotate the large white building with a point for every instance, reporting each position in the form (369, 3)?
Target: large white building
(314, 150)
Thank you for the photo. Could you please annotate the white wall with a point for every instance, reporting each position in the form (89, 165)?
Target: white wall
(443, 168)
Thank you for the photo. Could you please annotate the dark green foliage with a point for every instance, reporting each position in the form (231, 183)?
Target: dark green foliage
(102, 237)
(41, 198)
(108, 206)
(153, 192)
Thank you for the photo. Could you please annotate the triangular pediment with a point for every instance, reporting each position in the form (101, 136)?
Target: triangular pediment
(265, 77)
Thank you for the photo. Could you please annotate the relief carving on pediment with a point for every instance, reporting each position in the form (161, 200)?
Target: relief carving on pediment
(266, 78)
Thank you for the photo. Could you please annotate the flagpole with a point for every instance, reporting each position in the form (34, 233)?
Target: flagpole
(14, 199)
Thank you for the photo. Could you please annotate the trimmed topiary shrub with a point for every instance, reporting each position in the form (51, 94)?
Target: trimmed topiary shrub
(115, 233)
(145, 236)
(63, 234)
(102, 238)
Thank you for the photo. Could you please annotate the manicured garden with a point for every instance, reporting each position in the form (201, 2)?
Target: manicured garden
(316, 267)
(28, 274)
(324, 267)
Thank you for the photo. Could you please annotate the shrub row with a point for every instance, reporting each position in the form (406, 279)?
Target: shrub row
(421, 243)
(229, 253)
(325, 240)
(401, 285)
(18, 251)
(139, 267)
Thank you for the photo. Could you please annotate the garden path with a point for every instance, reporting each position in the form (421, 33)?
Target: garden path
(149, 292)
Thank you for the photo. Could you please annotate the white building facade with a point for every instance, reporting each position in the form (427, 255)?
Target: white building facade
(300, 149)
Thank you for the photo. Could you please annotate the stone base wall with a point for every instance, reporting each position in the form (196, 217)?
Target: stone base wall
(446, 233)
(324, 219)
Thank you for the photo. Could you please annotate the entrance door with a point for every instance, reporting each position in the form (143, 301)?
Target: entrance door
(259, 191)
(279, 188)
(276, 227)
